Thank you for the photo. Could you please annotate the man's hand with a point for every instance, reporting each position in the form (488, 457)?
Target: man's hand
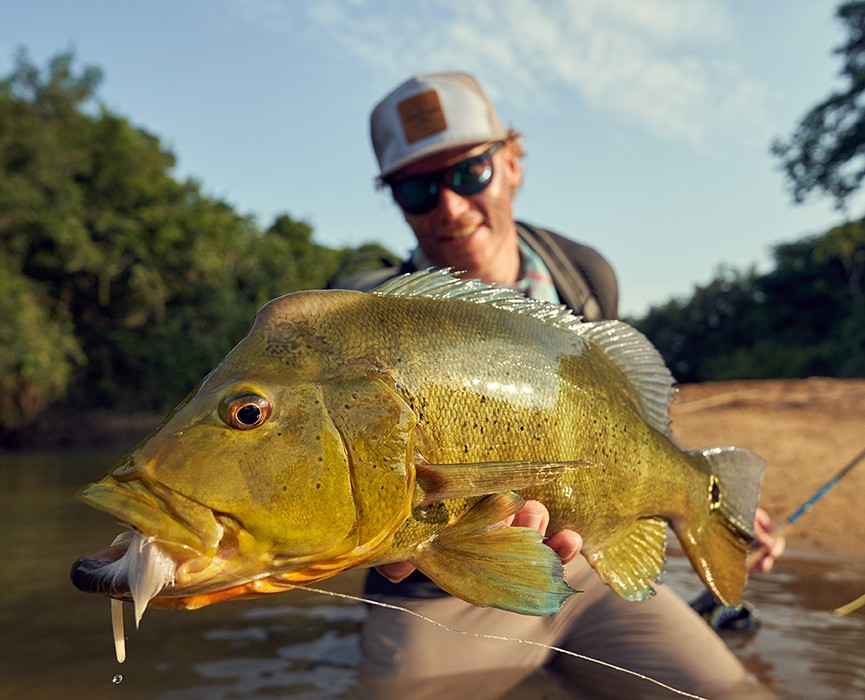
(770, 546)
(396, 571)
(533, 515)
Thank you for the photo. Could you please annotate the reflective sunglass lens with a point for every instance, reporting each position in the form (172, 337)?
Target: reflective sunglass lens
(419, 195)
(470, 176)
(416, 195)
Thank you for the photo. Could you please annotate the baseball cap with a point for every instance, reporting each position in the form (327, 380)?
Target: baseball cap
(428, 114)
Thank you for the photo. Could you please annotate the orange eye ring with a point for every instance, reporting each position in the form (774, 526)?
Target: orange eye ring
(245, 412)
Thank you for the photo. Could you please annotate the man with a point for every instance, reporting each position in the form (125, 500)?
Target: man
(454, 171)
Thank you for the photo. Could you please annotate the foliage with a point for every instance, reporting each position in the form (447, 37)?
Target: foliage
(827, 150)
(804, 317)
(38, 352)
(121, 286)
(807, 315)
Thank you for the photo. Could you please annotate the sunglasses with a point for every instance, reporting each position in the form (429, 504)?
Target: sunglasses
(419, 194)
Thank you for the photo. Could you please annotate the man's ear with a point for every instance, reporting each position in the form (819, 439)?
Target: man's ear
(513, 169)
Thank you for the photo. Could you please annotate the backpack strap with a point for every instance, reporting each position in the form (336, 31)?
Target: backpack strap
(365, 279)
(569, 263)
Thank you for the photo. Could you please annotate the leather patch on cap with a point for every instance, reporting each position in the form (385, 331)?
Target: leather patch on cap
(421, 116)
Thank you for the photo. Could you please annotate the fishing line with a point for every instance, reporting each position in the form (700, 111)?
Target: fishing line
(501, 638)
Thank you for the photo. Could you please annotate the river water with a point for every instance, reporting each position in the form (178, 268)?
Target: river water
(56, 642)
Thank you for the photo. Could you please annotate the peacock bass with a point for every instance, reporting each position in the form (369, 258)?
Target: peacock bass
(353, 429)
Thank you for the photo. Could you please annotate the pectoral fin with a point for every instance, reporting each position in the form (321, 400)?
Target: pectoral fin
(441, 482)
(489, 564)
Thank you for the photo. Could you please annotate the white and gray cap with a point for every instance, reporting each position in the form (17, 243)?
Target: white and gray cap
(428, 114)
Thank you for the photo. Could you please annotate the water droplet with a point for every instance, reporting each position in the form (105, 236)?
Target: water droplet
(118, 679)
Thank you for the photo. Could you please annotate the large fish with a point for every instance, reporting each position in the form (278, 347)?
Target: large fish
(352, 429)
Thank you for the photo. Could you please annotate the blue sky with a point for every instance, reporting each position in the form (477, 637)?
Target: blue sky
(647, 122)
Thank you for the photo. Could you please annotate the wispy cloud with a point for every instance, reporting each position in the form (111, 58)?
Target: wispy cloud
(666, 66)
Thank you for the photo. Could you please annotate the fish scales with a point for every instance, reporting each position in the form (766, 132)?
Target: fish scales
(351, 429)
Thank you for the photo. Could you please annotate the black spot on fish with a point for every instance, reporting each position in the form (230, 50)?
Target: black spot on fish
(714, 493)
(318, 486)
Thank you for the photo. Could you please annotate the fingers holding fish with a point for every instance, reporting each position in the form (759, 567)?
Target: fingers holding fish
(566, 543)
(535, 516)
(396, 571)
(771, 544)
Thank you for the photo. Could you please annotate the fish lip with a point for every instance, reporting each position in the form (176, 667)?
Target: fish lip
(87, 573)
(187, 528)
(186, 531)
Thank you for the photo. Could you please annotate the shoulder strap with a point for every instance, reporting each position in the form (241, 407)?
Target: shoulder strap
(567, 276)
(365, 279)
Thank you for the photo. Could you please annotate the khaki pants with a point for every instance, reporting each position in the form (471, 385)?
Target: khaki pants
(406, 657)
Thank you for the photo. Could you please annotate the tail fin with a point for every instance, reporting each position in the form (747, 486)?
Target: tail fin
(717, 541)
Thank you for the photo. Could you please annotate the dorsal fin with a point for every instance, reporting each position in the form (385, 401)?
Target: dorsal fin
(441, 284)
(626, 347)
(641, 363)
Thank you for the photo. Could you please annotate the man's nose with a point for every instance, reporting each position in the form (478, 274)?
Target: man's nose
(450, 203)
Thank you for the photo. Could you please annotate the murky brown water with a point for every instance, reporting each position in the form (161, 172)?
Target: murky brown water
(57, 643)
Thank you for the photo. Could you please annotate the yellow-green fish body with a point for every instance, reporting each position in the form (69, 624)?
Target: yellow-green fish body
(351, 429)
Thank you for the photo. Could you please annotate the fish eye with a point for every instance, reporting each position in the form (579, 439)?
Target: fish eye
(245, 412)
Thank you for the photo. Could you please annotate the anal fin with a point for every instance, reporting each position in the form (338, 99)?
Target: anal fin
(633, 561)
(489, 564)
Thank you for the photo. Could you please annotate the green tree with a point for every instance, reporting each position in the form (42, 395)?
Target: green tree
(122, 286)
(827, 150)
(38, 350)
(803, 317)
(93, 218)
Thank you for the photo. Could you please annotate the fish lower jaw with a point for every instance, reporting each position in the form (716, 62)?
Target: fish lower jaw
(133, 556)
(134, 566)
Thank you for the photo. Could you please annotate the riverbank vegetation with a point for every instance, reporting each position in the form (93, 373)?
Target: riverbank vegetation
(122, 285)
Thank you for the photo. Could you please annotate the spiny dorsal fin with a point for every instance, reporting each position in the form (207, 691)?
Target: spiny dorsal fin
(441, 284)
(629, 349)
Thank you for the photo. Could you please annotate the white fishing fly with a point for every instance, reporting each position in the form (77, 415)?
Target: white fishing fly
(147, 569)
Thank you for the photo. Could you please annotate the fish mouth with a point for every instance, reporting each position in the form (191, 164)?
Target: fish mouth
(132, 567)
(169, 542)
(88, 574)
(177, 553)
